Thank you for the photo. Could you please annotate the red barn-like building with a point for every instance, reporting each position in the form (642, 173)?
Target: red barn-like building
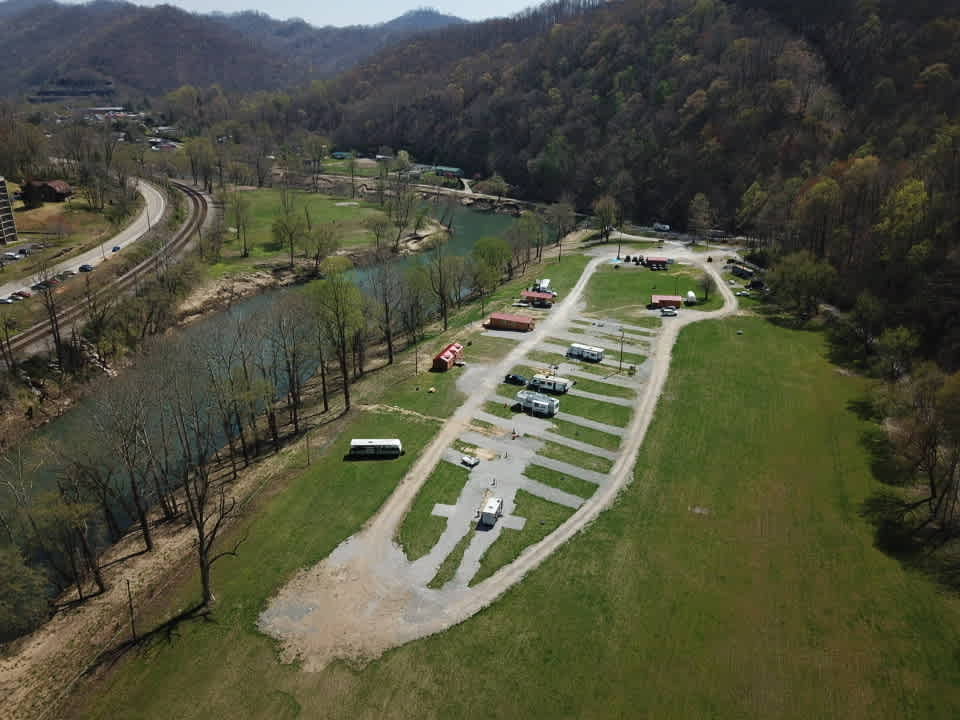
(667, 301)
(448, 357)
(538, 299)
(507, 321)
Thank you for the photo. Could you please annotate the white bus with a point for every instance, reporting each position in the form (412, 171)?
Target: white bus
(550, 383)
(362, 448)
(585, 352)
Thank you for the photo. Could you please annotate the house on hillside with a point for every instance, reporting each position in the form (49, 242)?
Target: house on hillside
(446, 171)
(37, 192)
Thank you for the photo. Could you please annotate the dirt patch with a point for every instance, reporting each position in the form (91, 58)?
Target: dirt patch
(227, 290)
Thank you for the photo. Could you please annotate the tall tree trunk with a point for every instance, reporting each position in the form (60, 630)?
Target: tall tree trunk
(141, 514)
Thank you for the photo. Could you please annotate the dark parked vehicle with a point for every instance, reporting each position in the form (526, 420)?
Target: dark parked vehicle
(512, 379)
(116, 248)
(86, 268)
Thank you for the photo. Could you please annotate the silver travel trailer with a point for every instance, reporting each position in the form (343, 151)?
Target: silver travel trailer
(585, 352)
(537, 403)
(550, 383)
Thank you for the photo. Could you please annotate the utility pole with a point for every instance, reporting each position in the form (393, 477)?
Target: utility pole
(133, 624)
(621, 350)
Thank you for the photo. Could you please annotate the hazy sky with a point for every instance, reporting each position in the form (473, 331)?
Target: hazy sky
(352, 12)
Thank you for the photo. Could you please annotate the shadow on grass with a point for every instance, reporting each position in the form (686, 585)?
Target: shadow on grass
(164, 632)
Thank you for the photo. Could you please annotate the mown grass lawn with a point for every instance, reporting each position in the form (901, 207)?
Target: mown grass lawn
(552, 358)
(567, 483)
(543, 517)
(587, 461)
(617, 415)
(598, 438)
(348, 219)
(420, 530)
(624, 294)
(448, 568)
(771, 602)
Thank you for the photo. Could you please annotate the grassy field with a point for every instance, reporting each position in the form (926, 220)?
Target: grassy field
(584, 384)
(579, 458)
(420, 530)
(624, 294)
(734, 578)
(597, 438)
(551, 358)
(448, 568)
(567, 483)
(497, 408)
(543, 517)
(563, 276)
(264, 208)
(604, 412)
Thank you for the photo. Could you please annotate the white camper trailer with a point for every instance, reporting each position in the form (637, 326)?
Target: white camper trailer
(492, 510)
(364, 448)
(550, 383)
(537, 403)
(691, 297)
(585, 352)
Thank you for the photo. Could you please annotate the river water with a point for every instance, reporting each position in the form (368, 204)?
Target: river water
(69, 431)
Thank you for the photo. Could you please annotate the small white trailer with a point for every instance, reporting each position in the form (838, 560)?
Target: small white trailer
(537, 403)
(691, 297)
(492, 510)
(585, 352)
(374, 448)
(550, 383)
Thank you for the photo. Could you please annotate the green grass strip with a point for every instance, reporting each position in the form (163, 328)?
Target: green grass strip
(567, 483)
(588, 435)
(543, 517)
(450, 564)
(420, 529)
(585, 460)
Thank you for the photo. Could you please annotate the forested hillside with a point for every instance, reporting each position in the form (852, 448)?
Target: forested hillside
(146, 51)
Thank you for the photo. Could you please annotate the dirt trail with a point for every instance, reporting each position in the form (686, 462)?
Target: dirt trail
(365, 598)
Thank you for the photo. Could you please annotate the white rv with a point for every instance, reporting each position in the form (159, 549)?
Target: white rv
(550, 383)
(691, 297)
(492, 510)
(374, 448)
(585, 352)
(538, 403)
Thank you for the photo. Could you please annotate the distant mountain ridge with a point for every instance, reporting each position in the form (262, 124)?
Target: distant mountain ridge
(149, 50)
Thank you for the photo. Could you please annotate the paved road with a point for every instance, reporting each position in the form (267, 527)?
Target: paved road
(366, 597)
(152, 210)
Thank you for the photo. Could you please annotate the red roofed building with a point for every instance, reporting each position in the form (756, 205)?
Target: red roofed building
(667, 301)
(507, 321)
(537, 299)
(36, 192)
(448, 357)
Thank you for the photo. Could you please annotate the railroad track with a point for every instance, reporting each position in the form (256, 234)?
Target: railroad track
(130, 279)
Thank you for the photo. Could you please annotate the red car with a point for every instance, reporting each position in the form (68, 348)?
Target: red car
(24, 293)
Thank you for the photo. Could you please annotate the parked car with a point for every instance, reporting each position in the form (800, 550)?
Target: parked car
(24, 293)
(470, 461)
(668, 312)
(116, 248)
(15, 298)
(6, 301)
(86, 268)
(513, 379)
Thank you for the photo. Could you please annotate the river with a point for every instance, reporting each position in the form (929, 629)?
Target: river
(68, 431)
